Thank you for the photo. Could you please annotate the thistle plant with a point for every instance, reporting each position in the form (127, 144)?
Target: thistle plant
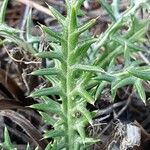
(80, 70)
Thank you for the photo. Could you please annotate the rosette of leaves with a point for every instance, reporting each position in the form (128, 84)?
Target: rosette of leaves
(77, 78)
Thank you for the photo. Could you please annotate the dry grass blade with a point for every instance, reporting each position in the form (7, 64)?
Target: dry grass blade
(27, 126)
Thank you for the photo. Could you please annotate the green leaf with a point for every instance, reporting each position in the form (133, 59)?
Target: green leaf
(50, 55)
(47, 71)
(81, 130)
(3, 11)
(140, 72)
(79, 3)
(124, 41)
(57, 15)
(48, 105)
(140, 31)
(127, 56)
(86, 26)
(100, 89)
(57, 145)
(111, 66)
(108, 8)
(68, 6)
(86, 113)
(15, 39)
(8, 30)
(52, 33)
(46, 92)
(47, 118)
(140, 89)
(37, 148)
(7, 142)
(52, 79)
(28, 147)
(120, 83)
(73, 19)
(115, 9)
(86, 96)
(83, 48)
(89, 141)
(88, 68)
(48, 147)
(54, 134)
(29, 26)
(123, 82)
(105, 77)
(135, 26)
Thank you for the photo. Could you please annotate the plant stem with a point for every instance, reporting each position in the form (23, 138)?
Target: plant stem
(68, 102)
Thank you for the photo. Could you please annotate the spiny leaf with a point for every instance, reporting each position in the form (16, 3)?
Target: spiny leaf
(86, 26)
(113, 93)
(7, 142)
(29, 26)
(46, 91)
(37, 148)
(73, 19)
(15, 39)
(48, 105)
(9, 30)
(57, 145)
(123, 41)
(48, 147)
(108, 9)
(28, 147)
(89, 140)
(54, 134)
(88, 68)
(140, 89)
(141, 72)
(47, 118)
(139, 33)
(80, 128)
(86, 96)
(123, 82)
(50, 32)
(100, 89)
(120, 83)
(79, 3)
(136, 25)
(3, 11)
(82, 49)
(57, 15)
(68, 6)
(49, 55)
(105, 77)
(115, 9)
(86, 113)
(127, 56)
(47, 71)
(53, 79)
(111, 65)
